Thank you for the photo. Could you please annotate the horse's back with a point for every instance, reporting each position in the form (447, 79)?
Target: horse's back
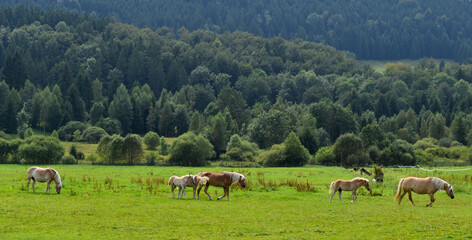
(41, 174)
(418, 185)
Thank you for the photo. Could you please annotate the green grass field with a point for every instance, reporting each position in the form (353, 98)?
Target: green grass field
(121, 202)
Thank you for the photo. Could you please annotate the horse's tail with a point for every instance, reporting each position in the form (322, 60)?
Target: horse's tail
(331, 188)
(399, 190)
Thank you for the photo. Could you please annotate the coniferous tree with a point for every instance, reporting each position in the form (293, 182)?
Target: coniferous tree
(121, 108)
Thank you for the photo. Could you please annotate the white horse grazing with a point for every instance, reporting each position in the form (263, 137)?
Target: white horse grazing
(45, 175)
(180, 182)
(428, 185)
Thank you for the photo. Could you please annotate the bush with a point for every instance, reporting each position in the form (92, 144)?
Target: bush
(151, 159)
(68, 159)
(110, 149)
(110, 125)
(426, 143)
(152, 140)
(290, 153)
(240, 150)
(73, 151)
(163, 147)
(93, 134)
(133, 148)
(272, 157)
(41, 150)
(92, 158)
(191, 150)
(67, 131)
(348, 150)
(325, 156)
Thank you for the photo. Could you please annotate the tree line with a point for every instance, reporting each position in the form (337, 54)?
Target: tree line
(92, 77)
(369, 29)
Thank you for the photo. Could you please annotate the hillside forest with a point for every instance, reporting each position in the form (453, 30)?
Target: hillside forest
(400, 29)
(234, 95)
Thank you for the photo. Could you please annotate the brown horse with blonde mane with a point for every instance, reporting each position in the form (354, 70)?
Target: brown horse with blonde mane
(348, 185)
(224, 180)
(44, 175)
(428, 185)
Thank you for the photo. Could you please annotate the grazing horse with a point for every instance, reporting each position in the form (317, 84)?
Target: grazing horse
(348, 185)
(224, 180)
(181, 183)
(428, 185)
(44, 175)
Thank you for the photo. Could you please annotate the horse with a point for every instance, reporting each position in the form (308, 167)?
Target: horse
(428, 185)
(44, 175)
(180, 182)
(224, 180)
(199, 182)
(348, 185)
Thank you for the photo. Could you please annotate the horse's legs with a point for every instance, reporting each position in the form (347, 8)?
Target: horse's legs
(172, 190)
(411, 199)
(48, 188)
(198, 192)
(354, 196)
(179, 196)
(206, 191)
(431, 196)
(227, 192)
(34, 182)
(331, 198)
(183, 192)
(340, 197)
(29, 180)
(401, 197)
(224, 194)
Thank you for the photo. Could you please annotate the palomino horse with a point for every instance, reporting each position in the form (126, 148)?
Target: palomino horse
(180, 182)
(224, 180)
(428, 186)
(45, 175)
(348, 185)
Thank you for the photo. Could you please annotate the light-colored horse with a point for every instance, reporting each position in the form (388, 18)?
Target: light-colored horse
(348, 185)
(44, 175)
(428, 185)
(224, 180)
(181, 183)
(199, 181)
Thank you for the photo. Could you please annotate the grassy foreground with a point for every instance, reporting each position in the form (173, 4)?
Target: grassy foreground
(133, 202)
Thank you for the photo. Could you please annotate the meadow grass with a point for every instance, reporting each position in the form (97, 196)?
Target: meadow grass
(133, 202)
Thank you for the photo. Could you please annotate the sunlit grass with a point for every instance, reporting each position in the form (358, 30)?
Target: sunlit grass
(133, 202)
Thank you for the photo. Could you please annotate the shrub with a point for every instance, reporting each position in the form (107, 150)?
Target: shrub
(240, 150)
(29, 133)
(163, 147)
(92, 158)
(151, 159)
(325, 156)
(291, 153)
(152, 140)
(133, 149)
(348, 150)
(73, 151)
(191, 150)
(110, 125)
(272, 157)
(111, 149)
(70, 128)
(68, 159)
(41, 150)
(426, 143)
(93, 134)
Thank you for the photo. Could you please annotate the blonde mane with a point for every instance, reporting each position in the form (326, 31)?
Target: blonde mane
(359, 178)
(234, 176)
(439, 183)
(57, 178)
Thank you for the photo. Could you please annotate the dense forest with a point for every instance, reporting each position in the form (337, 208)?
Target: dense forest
(70, 72)
(369, 29)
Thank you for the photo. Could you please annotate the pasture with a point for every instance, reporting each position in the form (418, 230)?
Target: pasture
(133, 202)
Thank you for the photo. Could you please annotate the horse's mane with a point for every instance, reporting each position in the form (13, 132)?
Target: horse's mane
(234, 176)
(359, 178)
(439, 183)
(57, 177)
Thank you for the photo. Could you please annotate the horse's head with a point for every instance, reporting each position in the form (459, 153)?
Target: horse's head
(242, 180)
(365, 183)
(58, 188)
(449, 190)
(190, 179)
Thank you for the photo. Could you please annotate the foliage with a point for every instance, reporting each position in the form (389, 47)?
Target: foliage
(152, 140)
(269, 128)
(190, 150)
(133, 149)
(93, 134)
(41, 150)
(66, 132)
(111, 149)
(348, 150)
(68, 159)
(240, 150)
(290, 153)
(325, 156)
